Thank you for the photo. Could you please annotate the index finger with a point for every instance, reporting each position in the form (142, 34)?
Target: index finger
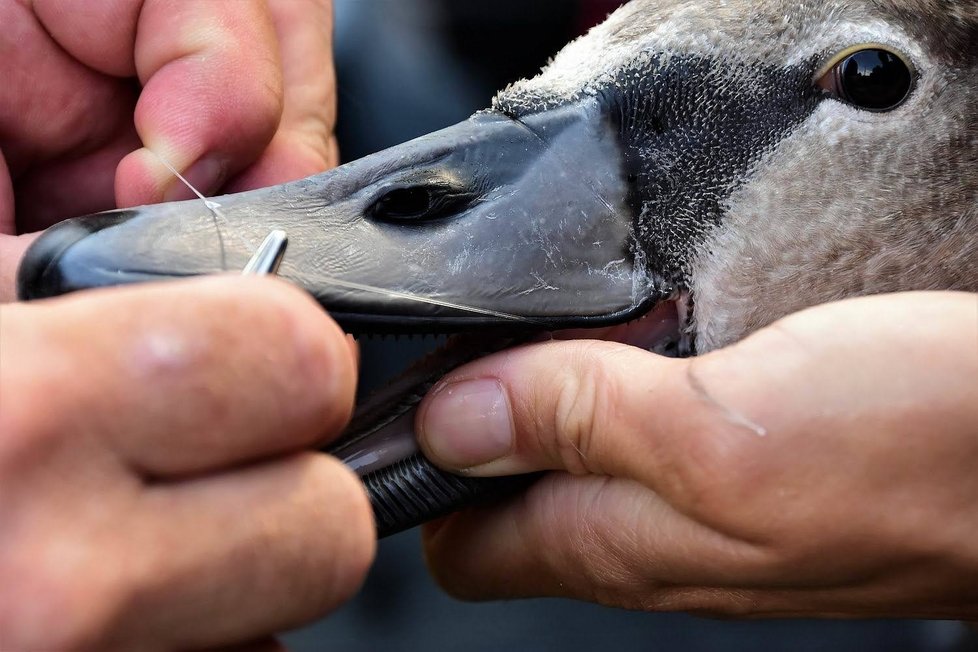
(182, 378)
(211, 77)
(212, 96)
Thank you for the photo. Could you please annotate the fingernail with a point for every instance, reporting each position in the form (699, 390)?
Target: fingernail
(468, 424)
(206, 175)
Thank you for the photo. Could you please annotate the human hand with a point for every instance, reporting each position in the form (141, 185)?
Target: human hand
(825, 466)
(156, 489)
(234, 95)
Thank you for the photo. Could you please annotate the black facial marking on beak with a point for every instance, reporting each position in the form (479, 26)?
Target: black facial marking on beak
(691, 130)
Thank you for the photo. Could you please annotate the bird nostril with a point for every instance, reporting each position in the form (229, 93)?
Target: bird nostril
(423, 203)
(403, 204)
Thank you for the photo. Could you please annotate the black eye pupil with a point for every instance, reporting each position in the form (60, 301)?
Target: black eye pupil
(875, 80)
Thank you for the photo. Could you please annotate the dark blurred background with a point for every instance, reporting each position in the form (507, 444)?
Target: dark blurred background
(408, 67)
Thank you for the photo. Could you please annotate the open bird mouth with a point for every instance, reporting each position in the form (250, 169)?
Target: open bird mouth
(496, 231)
(381, 445)
(370, 443)
(667, 329)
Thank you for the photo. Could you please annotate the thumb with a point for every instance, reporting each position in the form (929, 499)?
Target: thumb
(12, 250)
(585, 407)
(679, 426)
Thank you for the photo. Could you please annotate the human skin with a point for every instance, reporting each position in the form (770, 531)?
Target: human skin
(234, 95)
(156, 486)
(158, 489)
(824, 466)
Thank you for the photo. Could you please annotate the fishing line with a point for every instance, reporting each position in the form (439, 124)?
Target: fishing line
(212, 206)
(394, 294)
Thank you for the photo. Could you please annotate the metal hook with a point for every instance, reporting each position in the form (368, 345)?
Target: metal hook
(269, 255)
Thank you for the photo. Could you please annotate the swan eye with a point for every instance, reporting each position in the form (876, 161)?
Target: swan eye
(872, 78)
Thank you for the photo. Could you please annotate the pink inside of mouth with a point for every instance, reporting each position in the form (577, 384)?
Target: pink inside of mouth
(662, 324)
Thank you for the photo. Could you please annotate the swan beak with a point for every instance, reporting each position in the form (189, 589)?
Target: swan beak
(492, 222)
